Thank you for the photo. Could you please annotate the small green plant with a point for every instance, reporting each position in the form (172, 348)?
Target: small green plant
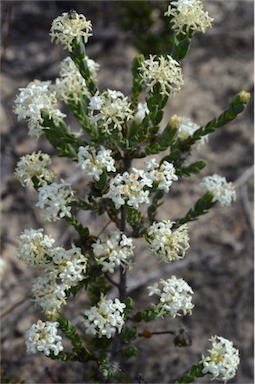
(115, 130)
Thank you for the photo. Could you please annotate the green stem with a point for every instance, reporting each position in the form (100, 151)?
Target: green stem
(236, 106)
(123, 274)
(81, 353)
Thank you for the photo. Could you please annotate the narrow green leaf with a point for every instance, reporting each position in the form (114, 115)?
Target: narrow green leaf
(190, 376)
(201, 207)
(193, 168)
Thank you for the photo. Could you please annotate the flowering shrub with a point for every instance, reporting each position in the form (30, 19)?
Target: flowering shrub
(115, 130)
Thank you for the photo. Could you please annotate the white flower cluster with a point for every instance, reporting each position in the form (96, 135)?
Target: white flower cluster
(32, 100)
(187, 128)
(43, 337)
(34, 165)
(112, 110)
(56, 199)
(174, 297)
(70, 265)
(164, 71)
(129, 188)
(162, 175)
(70, 85)
(188, 14)
(66, 269)
(223, 359)
(133, 188)
(168, 245)
(49, 293)
(70, 26)
(105, 318)
(115, 251)
(63, 268)
(94, 163)
(222, 191)
(34, 247)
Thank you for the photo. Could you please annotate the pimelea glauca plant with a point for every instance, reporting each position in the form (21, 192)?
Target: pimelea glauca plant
(115, 130)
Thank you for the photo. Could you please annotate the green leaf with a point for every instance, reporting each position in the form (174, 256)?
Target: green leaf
(181, 46)
(128, 334)
(60, 137)
(236, 106)
(129, 352)
(190, 376)
(193, 168)
(152, 209)
(102, 184)
(137, 80)
(82, 354)
(167, 137)
(134, 217)
(129, 305)
(78, 55)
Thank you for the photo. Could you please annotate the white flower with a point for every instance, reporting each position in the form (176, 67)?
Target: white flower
(93, 67)
(55, 197)
(223, 359)
(105, 318)
(96, 102)
(32, 101)
(70, 265)
(188, 14)
(129, 188)
(70, 26)
(165, 243)
(142, 111)
(163, 175)
(34, 247)
(115, 251)
(70, 85)
(187, 128)
(151, 164)
(34, 165)
(174, 297)
(94, 163)
(112, 110)
(43, 337)
(49, 294)
(163, 71)
(222, 191)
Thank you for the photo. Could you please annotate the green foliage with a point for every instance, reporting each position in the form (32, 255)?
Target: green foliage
(61, 138)
(235, 107)
(152, 209)
(149, 28)
(201, 207)
(189, 377)
(80, 353)
(129, 352)
(98, 285)
(193, 168)
(78, 55)
(128, 334)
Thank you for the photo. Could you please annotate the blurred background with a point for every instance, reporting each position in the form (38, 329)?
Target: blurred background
(219, 263)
